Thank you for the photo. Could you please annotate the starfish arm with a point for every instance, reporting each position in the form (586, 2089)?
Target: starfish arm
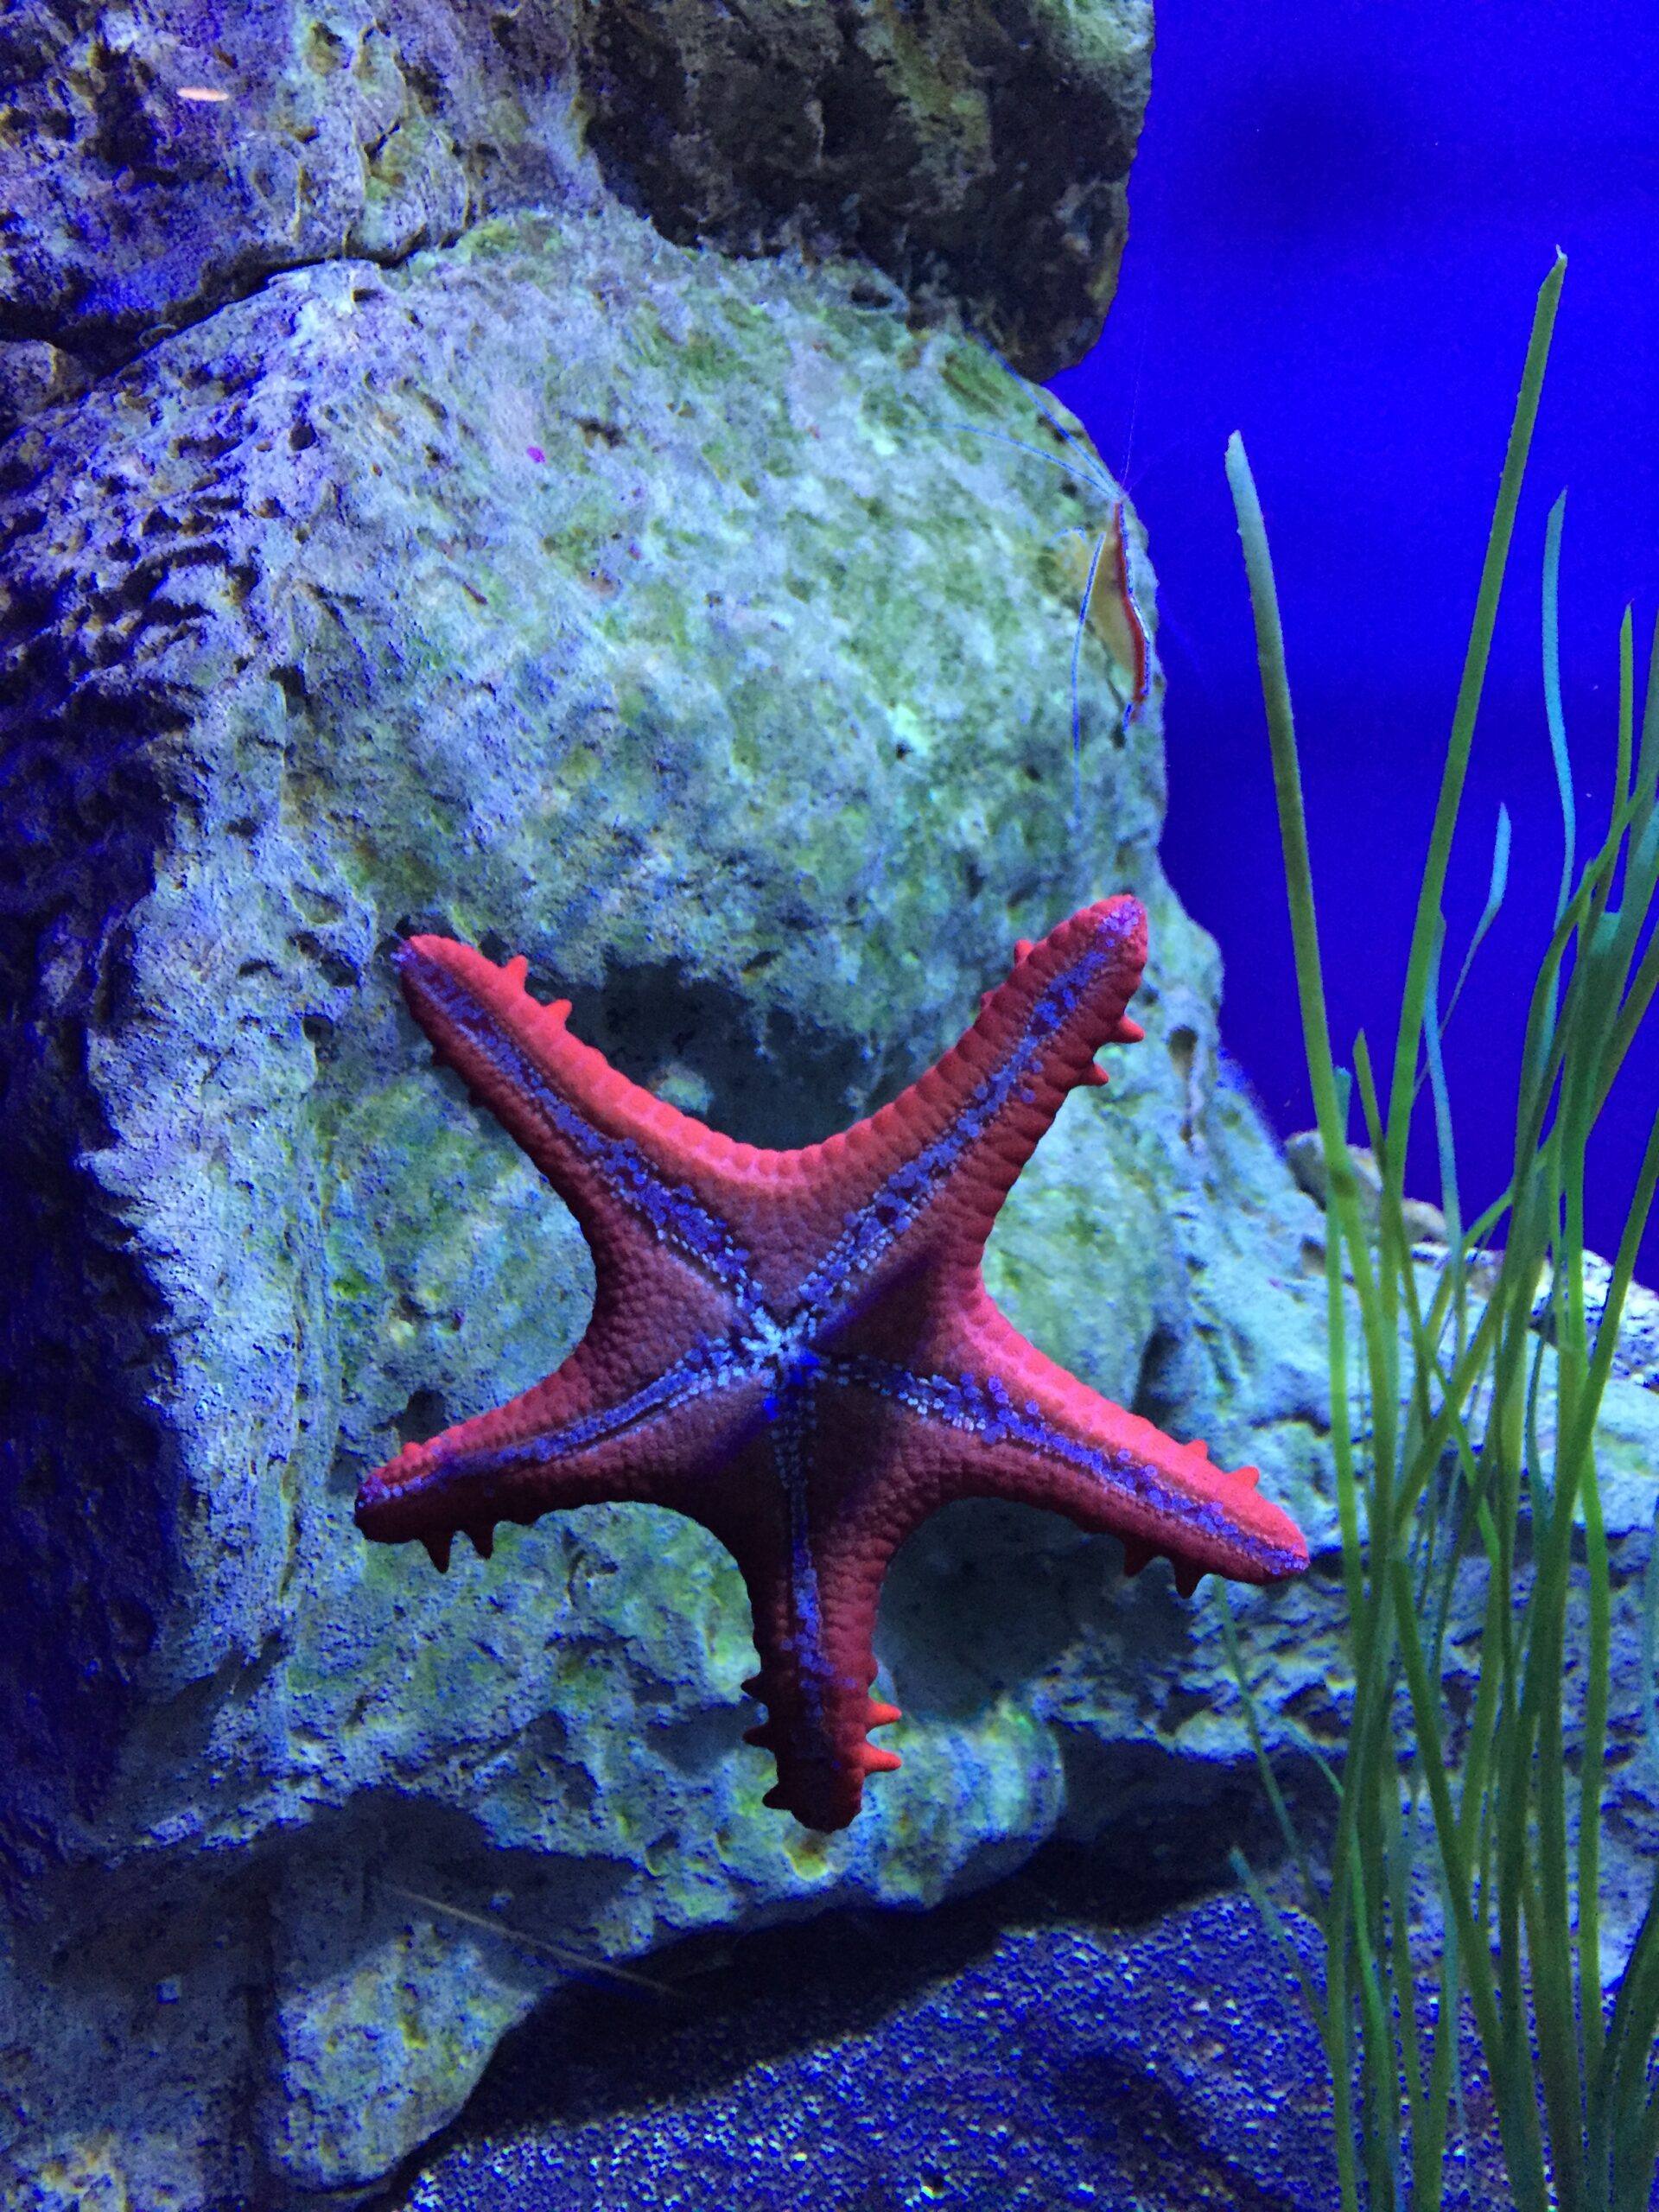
(1001, 1420)
(932, 1168)
(819, 1711)
(1103, 1467)
(625, 1163)
(574, 1440)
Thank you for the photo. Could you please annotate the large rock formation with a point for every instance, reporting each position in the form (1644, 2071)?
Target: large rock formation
(407, 522)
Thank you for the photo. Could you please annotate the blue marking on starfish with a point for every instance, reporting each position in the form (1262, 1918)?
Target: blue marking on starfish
(792, 1435)
(705, 1369)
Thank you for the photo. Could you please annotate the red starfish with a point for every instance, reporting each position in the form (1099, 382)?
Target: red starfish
(796, 1348)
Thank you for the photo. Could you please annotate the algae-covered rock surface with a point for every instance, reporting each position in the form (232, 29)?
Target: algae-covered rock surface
(662, 616)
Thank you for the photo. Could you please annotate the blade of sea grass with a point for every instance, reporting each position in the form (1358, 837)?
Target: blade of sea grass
(1431, 889)
(1343, 1223)
(1553, 716)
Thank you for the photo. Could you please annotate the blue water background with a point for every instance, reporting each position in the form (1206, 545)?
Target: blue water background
(1340, 214)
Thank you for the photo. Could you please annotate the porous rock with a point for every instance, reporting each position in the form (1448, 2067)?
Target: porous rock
(977, 153)
(654, 614)
(159, 158)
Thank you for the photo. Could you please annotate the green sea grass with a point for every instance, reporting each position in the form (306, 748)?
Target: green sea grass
(1465, 1434)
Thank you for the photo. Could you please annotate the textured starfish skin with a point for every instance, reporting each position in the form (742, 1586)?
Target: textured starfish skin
(797, 1348)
